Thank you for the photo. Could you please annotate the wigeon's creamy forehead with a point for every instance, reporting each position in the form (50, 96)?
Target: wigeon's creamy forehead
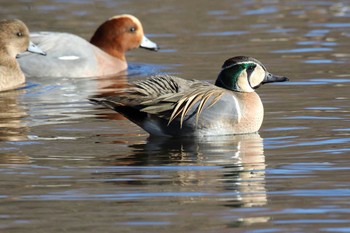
(131, 17)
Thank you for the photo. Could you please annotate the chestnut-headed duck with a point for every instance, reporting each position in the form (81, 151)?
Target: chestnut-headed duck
(165, 105)
(14, 39)
(69, 55)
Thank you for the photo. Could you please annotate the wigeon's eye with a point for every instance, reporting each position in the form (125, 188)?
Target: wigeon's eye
(19, 34)
(132, 29)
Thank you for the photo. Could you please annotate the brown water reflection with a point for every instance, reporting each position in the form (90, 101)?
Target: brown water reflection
(66, 165)
(12, 112)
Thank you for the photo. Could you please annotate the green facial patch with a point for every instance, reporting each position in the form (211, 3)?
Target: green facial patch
(228, 77)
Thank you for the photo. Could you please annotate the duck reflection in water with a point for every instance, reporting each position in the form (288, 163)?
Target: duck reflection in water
(12, 126)
(12, 112)
(230, 169)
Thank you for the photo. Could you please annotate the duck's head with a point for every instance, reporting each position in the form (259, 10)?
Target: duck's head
(14, 36)
(120, 34)
(245, 74)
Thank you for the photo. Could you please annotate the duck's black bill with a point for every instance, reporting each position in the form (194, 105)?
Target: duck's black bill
(270, 78)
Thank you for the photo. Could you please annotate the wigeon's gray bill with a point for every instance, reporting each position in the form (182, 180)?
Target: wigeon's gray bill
(35, 49)
(148, 44)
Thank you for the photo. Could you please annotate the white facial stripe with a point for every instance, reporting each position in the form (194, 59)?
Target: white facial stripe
(255, 79)
(238, 63)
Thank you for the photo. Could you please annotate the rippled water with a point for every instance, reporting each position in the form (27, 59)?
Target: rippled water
(69, 166)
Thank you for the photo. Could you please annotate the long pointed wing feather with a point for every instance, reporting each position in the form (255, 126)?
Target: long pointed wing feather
(169, 97)
(187, 102)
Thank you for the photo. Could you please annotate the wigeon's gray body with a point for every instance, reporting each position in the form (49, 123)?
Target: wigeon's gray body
(69, 55)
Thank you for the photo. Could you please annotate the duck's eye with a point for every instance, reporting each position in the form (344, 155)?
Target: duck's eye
(19, 34)
(251, 68)
(132, 29)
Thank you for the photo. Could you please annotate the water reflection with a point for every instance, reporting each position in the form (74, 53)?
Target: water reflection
(57, 101)
(12, 112)
(190, 186)
(228, 169)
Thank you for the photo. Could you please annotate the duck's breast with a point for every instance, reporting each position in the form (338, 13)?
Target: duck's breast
(240, 113)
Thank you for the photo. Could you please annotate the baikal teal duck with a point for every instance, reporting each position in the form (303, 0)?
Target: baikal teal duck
(165, 105)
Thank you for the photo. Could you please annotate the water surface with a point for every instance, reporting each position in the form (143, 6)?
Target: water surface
(69, 166)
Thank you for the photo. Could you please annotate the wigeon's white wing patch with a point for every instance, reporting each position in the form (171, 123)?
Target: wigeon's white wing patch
(68, 58)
